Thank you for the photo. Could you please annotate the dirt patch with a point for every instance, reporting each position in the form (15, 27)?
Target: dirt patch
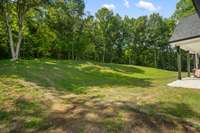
(101, 116)
(70, 113)
(60, 107)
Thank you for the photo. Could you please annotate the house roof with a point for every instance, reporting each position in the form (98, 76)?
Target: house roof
(187, 28)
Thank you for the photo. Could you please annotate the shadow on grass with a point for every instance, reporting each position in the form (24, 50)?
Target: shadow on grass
(92, 114)
(26, 114)
(74, 76)
(127, 69)
(179, 110)
(118, 117)
(88, 114)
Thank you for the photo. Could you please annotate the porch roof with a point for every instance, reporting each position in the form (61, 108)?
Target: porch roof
(187, 34)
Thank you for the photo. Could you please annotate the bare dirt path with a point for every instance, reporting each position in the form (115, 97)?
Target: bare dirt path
(71, 113)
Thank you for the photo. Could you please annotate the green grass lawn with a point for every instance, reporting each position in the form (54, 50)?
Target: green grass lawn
(79, 96)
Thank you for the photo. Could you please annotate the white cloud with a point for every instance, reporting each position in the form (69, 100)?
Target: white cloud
(126, 3)
(109, 6)
(147, 5)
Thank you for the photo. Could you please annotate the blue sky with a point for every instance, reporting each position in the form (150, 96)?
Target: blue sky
(134, 8)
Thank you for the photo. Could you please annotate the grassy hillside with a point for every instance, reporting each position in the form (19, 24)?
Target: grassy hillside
(60, 96)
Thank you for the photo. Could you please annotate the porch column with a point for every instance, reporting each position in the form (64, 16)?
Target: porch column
(188, 63)
(196, 61)
(179, 62)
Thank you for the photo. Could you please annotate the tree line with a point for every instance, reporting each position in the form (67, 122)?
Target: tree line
(61, 29)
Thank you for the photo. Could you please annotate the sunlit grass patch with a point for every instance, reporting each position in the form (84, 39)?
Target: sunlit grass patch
(33, 122)
(113, 125)
(40, 94)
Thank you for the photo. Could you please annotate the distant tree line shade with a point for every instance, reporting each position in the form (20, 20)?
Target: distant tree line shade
(60, 29)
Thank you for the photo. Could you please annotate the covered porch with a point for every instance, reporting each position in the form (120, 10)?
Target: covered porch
(192, 47)
(187, 37)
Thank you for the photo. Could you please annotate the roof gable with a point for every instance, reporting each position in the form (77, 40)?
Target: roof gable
(187, 28)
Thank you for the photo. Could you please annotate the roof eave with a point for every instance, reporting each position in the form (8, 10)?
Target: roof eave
(188, 38)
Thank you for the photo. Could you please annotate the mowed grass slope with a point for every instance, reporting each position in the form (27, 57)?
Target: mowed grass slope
(79, 96)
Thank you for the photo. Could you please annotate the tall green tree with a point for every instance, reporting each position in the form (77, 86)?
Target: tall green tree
(61, 29)
(183, 8)
(104, 18)
(16, 10)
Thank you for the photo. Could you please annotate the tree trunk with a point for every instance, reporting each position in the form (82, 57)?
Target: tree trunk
(20, 13)
(155, 58)
(18, 45)
(20, 36)
(129, 60)
(95, 56)
(10, 35)
(104, 53)
(111, 54)
(72, 51)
